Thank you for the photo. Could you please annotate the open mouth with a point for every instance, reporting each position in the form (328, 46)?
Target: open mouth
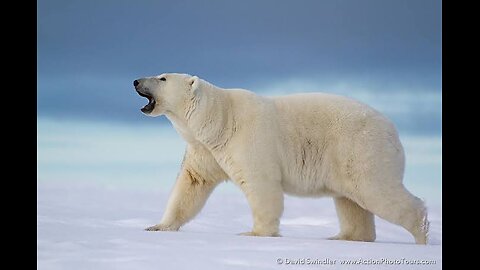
(151, 102)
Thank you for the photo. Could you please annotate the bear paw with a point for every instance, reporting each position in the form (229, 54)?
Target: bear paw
(260, 234)
(161, 227)
(347, 237)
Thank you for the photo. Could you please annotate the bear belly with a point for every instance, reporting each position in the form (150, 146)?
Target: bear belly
(311, 183)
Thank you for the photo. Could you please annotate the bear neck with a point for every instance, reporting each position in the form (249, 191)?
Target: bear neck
(205, 118)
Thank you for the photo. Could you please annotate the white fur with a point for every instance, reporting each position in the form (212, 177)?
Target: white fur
(307, 145)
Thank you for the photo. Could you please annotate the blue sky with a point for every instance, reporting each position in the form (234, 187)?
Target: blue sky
(385, 53)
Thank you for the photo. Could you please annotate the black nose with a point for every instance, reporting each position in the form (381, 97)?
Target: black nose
(135, 83)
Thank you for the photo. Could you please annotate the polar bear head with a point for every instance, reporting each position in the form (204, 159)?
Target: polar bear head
(166, 92)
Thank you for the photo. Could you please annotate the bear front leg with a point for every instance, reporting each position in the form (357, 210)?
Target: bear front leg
(199, 175)
(186, 200)
(266, 202)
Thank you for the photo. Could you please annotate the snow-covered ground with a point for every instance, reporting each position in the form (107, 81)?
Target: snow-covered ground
(100, 185)
(92, 228)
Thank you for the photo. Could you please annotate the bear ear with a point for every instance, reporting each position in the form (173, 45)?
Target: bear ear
(194, 83)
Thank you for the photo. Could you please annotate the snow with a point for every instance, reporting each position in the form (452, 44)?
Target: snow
(99, 186)
(102, 228)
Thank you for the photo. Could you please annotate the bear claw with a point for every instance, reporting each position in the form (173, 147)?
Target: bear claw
(159, 227)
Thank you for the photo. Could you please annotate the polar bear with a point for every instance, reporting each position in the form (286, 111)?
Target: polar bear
(308, 145)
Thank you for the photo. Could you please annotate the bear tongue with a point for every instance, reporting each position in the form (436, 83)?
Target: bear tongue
(150, 106)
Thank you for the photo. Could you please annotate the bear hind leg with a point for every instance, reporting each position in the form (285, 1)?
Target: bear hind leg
(398, 206)
(356, 223)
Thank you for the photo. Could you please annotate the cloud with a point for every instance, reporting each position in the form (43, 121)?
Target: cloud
(415, 110)
(230, 41)
(385, 53)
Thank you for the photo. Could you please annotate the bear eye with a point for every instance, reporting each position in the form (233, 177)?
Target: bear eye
(163, 79)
